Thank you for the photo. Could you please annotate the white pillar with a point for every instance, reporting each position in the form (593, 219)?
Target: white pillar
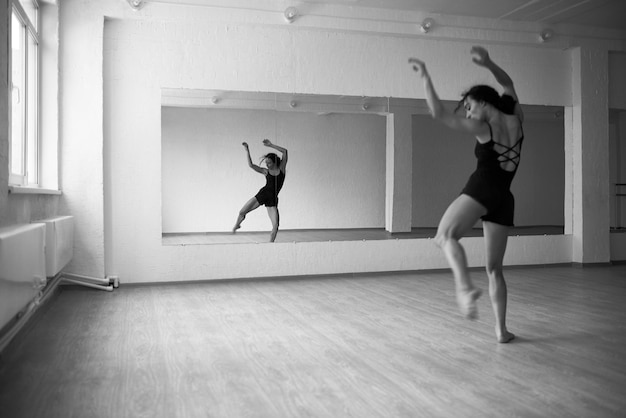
(590, 156)
(399, 173)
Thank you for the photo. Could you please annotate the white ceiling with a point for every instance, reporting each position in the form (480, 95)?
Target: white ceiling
(606, 14)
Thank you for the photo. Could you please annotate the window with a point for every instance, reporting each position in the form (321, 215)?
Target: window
(24, 82)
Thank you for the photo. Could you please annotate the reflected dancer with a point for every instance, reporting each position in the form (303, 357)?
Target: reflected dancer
(268, 195)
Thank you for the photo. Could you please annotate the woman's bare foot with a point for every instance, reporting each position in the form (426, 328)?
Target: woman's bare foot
(504, 336)
(235, 228)
(467, 303)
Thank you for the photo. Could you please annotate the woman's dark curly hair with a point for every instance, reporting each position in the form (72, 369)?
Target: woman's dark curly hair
(275, 158)
(487, 94)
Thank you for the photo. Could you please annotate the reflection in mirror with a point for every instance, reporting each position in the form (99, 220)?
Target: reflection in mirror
(617, 170)
(443, 160)
(335, 180)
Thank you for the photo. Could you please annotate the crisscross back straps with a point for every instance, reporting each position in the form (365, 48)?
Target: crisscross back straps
(510, 154)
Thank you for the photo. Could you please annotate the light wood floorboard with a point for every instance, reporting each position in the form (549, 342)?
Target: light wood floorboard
(363, 345)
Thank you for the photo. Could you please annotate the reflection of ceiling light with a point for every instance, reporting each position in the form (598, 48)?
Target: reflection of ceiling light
(546, 35)
(365, 106)
(136, 4)
(293, 103)
(215, 99)
(427, 25)
(290, 14)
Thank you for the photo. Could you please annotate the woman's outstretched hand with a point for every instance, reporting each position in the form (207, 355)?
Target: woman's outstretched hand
(245, 145)
(480, 56)
(418, 66)
(267, 142)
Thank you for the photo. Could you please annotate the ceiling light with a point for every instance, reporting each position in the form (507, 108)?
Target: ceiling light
(546, 35)
(136, 4)
(427, 25)
(290, 14)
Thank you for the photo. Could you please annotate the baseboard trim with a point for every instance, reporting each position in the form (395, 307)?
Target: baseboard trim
(587, 265)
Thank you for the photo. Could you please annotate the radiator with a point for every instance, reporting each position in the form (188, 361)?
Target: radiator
(22, 268)
(59, 243)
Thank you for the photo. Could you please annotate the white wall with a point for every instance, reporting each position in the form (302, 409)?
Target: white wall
(262, 55)
(81, 131)
(335, 170)
(134, 55)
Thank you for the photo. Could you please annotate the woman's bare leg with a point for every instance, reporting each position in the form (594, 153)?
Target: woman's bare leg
(495, 244)
(250, 205)
(458, 219)
(272, 211)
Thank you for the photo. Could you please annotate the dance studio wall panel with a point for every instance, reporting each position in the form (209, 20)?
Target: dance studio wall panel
(115, 63)
(213, 63)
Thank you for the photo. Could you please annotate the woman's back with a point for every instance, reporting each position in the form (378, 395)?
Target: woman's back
(507, 137)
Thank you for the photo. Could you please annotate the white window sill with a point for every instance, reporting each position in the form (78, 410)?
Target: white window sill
(32, 190)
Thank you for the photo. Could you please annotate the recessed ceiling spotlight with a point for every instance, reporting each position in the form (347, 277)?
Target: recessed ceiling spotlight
(136, 4)
(427, 25)
(546, 35)
(291, 13)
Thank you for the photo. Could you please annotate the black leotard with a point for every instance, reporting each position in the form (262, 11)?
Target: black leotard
(490, 183)
(268, 195)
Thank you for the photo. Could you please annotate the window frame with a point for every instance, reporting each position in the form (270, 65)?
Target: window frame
(31, 145)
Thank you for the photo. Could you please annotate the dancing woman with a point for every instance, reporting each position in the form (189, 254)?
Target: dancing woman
(268, 195)
(496, 123)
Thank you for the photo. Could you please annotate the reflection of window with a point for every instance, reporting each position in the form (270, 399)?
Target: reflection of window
(24, 81)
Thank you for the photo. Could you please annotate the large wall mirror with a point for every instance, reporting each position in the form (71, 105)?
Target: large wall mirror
(335, 182)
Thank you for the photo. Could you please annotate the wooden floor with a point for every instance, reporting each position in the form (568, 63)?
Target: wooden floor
(375, 345)
(313, 235)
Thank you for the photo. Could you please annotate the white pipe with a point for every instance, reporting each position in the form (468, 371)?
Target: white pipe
(92, 285)
(89, 279)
